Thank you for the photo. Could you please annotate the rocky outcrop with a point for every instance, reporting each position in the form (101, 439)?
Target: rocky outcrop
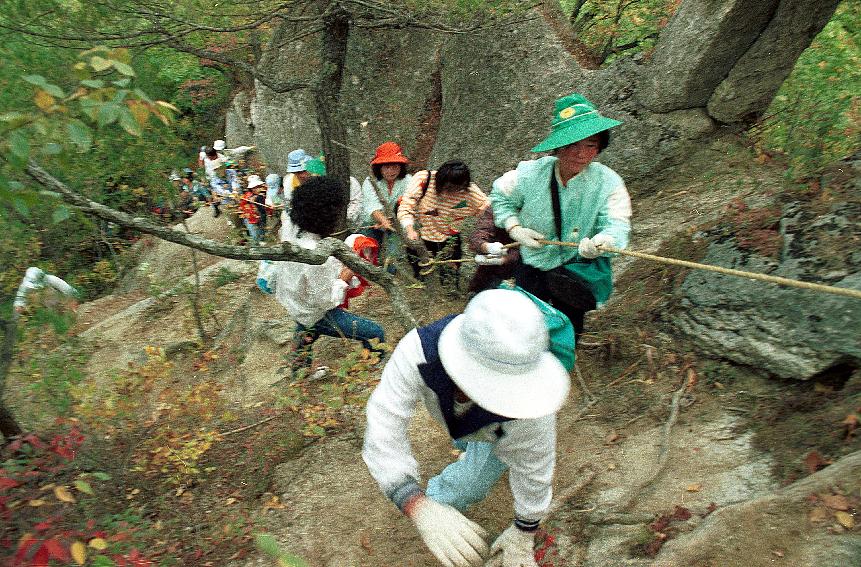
(787, 332)
(496, 101)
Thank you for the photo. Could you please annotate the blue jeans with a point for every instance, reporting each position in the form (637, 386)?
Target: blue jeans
(469, 479)
(336, 322)
(254, 231)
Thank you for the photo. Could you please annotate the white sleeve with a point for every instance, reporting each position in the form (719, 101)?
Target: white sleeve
(354, 207)
(529, 449)
(32, 280)
(60, 285)
(387, 450)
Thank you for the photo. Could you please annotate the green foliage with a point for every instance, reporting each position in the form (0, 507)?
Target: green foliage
(225, 276)
(815, 118)
(618, 29)
(269, 546)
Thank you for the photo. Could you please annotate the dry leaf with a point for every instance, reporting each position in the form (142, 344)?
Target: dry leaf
(98, 543)
(846, 520)
(612, 438)
(695, 487)
(836, 502)
(818, 515)
(230, 501)
(611, 467)
(692, 379)
(365, 542)
(63, 494)
(79, 552)
(43, 100)
(821, 388)
(814, 461)
(777, 552)
(36, 503)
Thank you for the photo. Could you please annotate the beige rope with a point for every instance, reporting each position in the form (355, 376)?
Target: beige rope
(686, 264)
(739, 273)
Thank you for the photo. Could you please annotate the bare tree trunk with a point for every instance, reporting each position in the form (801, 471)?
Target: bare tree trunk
(195, 295)
(9, 426)
(327, 97)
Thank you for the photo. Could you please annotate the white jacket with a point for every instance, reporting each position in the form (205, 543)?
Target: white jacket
(527, 446)
(308, 291)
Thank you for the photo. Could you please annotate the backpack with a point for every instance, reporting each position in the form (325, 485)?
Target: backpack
(559, 328)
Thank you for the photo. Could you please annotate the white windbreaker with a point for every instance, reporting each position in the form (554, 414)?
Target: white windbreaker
(308, 291)
(527, 446)
(35, 278)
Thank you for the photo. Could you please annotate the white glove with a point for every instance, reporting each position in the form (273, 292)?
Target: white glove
(590, 247)
(526, 236)
(513, 548)
(495, 248)
(453, 539)
(355, 282)
(489, 260)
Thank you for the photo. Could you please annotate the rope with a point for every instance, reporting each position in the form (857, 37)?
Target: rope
(848, 292)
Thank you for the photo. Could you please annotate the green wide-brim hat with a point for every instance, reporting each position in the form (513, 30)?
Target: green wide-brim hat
(574, 119)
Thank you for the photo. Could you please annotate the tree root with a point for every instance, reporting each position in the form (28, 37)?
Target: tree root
(634, 494)
(724, 523)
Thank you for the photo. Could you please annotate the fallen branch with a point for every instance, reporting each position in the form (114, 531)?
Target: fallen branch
(285, 251)
(252, 426)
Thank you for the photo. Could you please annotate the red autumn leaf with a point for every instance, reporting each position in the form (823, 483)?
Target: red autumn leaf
(711, 508)
(8, 483)
(814, 461)
(660, 524)
(57, 550)
(680, 514)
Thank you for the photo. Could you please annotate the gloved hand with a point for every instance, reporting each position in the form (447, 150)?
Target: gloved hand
(453, 539)
(495, 249)
(589, 247)
(513, 548)
(489, 260)
(526, 236)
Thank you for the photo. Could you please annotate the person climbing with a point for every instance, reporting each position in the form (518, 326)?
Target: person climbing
(274, 200)
(34, 279)
(238, 152)
(249, 210)
(312, 293)
(439, 201)
(221, 187)
(488, 376)
(389, 168)
(317, 166)
(297, 174)
(570, 197)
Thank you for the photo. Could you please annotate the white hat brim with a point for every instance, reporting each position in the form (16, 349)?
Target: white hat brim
(530, 393)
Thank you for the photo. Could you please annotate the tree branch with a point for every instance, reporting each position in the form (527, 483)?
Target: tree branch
(284, 252)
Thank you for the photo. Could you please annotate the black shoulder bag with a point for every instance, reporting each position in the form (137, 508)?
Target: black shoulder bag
(563, 285)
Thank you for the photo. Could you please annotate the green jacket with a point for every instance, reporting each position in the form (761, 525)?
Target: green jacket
(593, 202)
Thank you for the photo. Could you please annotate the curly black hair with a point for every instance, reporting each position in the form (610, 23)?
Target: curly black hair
(377, 168)
(316, 205)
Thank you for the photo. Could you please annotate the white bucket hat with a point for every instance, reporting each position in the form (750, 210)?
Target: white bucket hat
(218, 145)
(497, 353)
(254, 181)
(296, 160)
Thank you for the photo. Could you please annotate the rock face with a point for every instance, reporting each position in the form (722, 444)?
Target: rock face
(493, 101)
(788, 332)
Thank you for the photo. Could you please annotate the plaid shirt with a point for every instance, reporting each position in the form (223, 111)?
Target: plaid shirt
(440, 215)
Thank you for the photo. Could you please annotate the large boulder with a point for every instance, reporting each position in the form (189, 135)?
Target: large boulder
(787, 332)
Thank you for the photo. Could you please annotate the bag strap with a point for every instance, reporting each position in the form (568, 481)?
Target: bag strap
(557, 206)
